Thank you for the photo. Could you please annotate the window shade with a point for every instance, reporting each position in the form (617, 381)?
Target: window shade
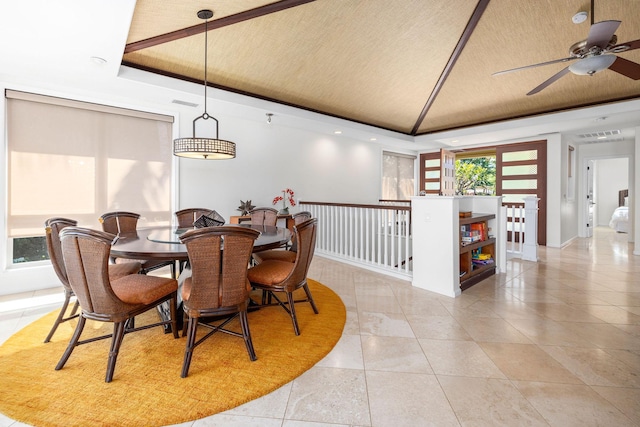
(397, 176)
(79, 160)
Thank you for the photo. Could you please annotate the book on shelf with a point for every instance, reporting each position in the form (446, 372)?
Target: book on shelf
(482, 261)
(481, 228)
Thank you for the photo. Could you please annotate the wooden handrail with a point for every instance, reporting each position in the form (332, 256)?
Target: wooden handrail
(356, 205)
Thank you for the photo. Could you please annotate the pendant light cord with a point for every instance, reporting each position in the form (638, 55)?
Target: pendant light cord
(206, 36)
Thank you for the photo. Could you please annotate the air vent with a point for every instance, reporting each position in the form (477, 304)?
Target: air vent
(596, 141)
(188, 104)
(602, 134)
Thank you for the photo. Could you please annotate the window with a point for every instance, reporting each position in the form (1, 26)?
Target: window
(521, 171)
(397, 176)
(476, 174)
(79, 160)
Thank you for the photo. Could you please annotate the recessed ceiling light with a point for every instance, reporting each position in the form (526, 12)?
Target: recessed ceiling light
(453, 141)
(602, 137)
(98, 60)
(337, 132)
(579, 17)
(373, 139)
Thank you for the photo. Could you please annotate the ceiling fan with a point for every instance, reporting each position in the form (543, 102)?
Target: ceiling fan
(595, 54)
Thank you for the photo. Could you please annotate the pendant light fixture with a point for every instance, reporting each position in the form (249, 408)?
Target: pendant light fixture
(204, 148)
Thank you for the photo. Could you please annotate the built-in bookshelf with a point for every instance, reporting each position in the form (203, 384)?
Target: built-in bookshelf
(477, 249)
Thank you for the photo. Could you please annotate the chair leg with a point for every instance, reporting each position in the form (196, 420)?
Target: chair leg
(173, 307)
(185, 322)
(72, 343)
(76, 306)
(292, 311)
(310, 298)
(191, 339)
(116, 341)
(246, 334)
(63, 310)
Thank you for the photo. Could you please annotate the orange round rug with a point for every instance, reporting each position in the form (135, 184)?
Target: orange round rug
(147, 389)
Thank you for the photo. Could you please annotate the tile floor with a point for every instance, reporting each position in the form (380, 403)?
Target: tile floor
(550, 343)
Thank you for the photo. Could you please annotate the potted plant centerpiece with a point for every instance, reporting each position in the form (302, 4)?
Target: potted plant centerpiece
(287, 196)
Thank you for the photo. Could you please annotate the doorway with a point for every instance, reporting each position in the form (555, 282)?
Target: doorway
(605, 178)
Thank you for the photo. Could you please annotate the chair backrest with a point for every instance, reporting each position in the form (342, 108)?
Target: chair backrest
(264, 216)
(186, 217)
(305, 235)
(119, 222)
(300, 217)
(53, 226)
(86, 259)
(219, 258)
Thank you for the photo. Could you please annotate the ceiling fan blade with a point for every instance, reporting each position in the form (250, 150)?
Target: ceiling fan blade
(534, 65)
(626, 68)
(625, 47)
(600, 33)
(550, 80)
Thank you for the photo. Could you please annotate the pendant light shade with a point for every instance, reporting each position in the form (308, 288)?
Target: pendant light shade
(204, 148)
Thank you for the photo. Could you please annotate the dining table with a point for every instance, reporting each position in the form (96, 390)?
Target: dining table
(162, 243)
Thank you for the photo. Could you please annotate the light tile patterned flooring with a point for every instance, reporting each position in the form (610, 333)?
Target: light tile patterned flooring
(550, 343)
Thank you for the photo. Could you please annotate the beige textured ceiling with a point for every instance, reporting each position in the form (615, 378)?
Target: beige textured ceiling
(379, 61)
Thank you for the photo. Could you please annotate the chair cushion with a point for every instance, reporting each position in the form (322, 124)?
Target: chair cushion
(116, 271)
(270, 272)
(141, 289)
(277, 255)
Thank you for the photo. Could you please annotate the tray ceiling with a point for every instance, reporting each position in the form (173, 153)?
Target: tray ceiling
(411, 66)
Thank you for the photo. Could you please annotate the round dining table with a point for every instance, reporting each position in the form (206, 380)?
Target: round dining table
(162, 243)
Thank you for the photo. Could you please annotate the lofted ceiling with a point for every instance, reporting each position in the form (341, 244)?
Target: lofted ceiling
(412, 66)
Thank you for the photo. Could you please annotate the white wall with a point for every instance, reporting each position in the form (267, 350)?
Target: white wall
(611, 176)
(569, 202)
(556, 170)
(271, 158)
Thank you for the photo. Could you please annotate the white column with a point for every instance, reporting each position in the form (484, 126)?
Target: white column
(530, 248)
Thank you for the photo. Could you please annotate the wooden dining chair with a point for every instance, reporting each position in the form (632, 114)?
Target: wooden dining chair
(218, 284)
(53, 226)
(122, 222)
(86, 257)
(284, 254)
(274, 276)
(186, 217)
(264, 216)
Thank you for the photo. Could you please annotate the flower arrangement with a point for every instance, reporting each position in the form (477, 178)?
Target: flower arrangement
(287, 195)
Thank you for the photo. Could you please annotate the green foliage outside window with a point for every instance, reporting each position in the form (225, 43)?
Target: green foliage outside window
(476, 176)
(29, 249)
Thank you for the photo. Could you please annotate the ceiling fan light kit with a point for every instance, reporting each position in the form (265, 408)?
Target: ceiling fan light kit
(592, 65)
(596, 53)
